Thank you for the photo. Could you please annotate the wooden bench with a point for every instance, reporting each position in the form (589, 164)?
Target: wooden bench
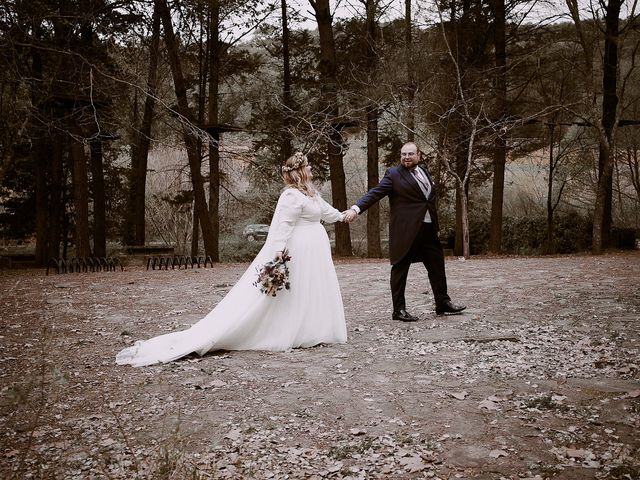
(149, 250)
(18, 260)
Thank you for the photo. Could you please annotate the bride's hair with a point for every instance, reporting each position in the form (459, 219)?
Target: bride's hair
(295, 174)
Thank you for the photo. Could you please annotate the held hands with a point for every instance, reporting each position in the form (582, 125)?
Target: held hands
(349, 216)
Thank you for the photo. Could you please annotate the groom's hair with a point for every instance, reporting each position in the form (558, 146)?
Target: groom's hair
(418, 151)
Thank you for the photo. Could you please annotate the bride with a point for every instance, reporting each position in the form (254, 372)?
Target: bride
(310, 313)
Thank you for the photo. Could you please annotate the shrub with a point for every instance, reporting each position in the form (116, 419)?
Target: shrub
(236, 248)
(526, 235)
(572, 233)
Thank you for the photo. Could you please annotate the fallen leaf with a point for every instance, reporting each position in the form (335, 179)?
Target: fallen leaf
(459, 395)
(233, 434)
(215, 383)
(576, 453)
(413, 464)
(498, 453)
(489, 405)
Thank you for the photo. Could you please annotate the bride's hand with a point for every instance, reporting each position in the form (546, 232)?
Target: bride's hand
(349, 216)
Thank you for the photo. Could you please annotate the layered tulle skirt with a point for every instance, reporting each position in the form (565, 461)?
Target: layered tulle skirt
(310, 313)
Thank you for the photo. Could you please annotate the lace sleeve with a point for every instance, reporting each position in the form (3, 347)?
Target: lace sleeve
(287, 212)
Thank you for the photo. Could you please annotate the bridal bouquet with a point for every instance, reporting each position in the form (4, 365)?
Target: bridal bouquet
(274, 275)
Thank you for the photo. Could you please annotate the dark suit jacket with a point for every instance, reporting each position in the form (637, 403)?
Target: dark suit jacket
(408, 208)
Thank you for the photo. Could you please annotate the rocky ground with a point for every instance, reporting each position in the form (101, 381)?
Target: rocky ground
(538, 379)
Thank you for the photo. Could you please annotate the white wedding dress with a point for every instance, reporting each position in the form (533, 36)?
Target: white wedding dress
(310, 313)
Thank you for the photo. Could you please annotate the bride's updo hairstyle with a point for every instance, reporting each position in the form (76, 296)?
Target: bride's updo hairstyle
(296, 175)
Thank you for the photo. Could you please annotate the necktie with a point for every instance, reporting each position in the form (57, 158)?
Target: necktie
(424, 185)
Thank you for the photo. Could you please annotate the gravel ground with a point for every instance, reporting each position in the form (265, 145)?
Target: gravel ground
(539, 378)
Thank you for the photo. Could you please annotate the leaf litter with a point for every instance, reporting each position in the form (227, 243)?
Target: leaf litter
(541, 379)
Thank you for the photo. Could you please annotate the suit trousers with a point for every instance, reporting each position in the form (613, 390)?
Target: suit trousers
(426, 246)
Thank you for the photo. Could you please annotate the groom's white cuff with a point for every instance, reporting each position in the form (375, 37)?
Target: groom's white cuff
(356, 209)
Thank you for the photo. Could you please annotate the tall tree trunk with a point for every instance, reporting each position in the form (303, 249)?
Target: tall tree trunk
(214, 192)
(42, 201)
(339, 192)
(143, 140)
(129, 233)
(99, 209)
(464, 188)
(66, 194)
(40, 160)
(411, 89)
(203, 78)
(208, 236)
(215, 51)
(464, 219)
(55, 199)
(329, 102)
(602, 210)
(286, 149)
(195, 235)
(80, 192)
(95, 148)
(550, 224)
(462, 193)
(500, 152)
(374, 249)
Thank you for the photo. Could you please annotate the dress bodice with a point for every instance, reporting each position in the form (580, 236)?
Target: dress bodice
(295, 209)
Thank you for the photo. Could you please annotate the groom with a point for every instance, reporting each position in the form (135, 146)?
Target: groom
(413, 229)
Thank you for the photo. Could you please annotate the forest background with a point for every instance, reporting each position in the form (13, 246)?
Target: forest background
(165, 122)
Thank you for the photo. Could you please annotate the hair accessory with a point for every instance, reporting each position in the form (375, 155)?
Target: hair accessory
(299, 159)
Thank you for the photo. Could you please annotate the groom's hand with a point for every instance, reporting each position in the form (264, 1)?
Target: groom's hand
(349, 215)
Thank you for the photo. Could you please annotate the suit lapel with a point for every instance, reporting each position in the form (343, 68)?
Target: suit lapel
(410, 179)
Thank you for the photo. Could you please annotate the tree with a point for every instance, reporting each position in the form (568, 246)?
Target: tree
(287, 99)
(215, 54)
(410, 66)
(329, 108)
(604, 116)
(52, 53)
(462, 113)
(500, 153)
(142, 139)
(372, 108)
(189, 135)
(80, 191)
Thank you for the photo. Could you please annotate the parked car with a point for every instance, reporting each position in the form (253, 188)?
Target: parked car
(256, 231)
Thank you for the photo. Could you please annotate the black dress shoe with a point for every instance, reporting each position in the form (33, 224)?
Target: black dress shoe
(448, 307)
(404, 316)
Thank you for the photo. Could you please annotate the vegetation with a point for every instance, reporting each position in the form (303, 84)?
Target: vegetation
(162, 121)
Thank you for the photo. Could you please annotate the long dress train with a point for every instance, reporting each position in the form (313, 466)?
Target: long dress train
(311, 312)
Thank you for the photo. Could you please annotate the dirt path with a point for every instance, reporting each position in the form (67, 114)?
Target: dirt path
(538, 379)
